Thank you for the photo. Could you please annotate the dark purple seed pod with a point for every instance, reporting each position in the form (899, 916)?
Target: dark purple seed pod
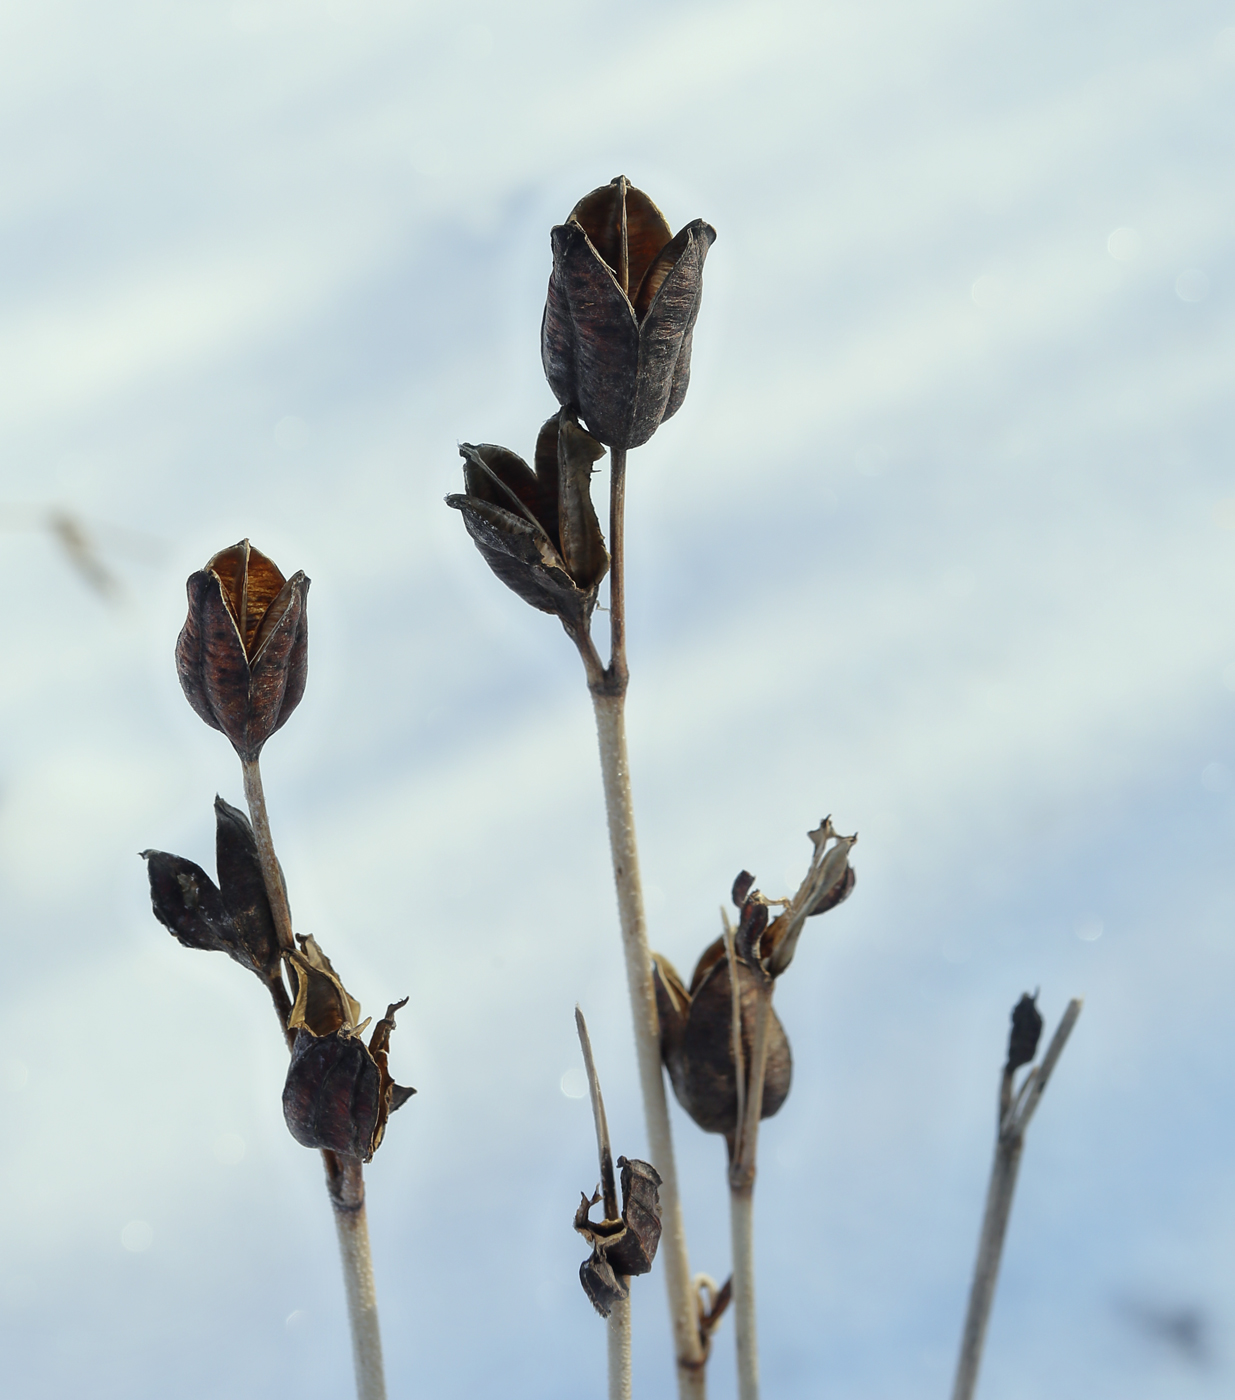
(1026, 1030)
(339, 1094)
(232, 917)
(537, 529)
(242, 655)
(620, 313)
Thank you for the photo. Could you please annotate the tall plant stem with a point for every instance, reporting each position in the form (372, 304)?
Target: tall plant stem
(1015, 1111)
(742, 1171)
(619, 1350)
(344, 1176)
(608, 688)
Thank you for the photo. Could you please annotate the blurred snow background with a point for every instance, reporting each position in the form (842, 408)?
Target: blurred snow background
(941, 543)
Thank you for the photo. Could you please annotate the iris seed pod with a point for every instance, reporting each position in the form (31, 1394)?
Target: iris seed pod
(339, 1093)
(242, 655)
(696, 1039)
(620, 314)
(1026, 1029)
(537, 529)
(625, 1247)
(233, 916)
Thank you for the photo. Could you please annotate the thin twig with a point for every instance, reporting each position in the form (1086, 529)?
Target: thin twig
(604, 1151)
(344, 1175)
(742, 1171)
(1014, 1116)
(272, 874)
(619, 1314)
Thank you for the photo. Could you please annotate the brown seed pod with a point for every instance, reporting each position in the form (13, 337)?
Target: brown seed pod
(537, 530)
(708, 1074)
(620, 314)
(625, 1247)
(232, 917)
(1025, 1033)
(339, 1093)
(242, 655)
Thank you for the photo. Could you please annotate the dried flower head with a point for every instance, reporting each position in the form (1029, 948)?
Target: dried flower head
(622, 1247)
(623, 297)
(696, 1039)
(242, 655)
(537, 530)
(234, 915)
(339, 1092)
(1026, 1030)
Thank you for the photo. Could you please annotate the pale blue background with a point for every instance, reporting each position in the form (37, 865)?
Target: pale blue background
(941, 542)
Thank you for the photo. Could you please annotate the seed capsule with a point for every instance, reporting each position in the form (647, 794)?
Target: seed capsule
(620, 314)
(242, 655)
(232, 917)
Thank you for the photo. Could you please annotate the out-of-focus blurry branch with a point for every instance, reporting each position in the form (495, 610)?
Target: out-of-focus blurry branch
(1016, 1108)
(84, 545)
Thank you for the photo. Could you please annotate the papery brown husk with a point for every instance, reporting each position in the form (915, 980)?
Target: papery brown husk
(621, 356)
(706, 1085)
(242, 655)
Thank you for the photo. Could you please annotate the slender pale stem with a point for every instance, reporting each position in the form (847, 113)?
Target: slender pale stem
(619, 1315)
(272, 875)
(742, 1169)
(619, 1350)
(986, 1267)
(1014, 1115)
(742, 1234)
(608, 688)
(611, 729)
(604, 1150)
(344, 1176)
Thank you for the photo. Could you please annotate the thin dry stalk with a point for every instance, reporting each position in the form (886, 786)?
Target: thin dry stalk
(1014, 1115)
(608, 698)
(742, 1171)
(619, 1316)
(344, 1176)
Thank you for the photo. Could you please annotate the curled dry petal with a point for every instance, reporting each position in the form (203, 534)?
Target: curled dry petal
(625, 1247)
(537, 529)
(322, 1004)
(339, 1093)
(620, 312)
(242, 655)
(1026, 1031)
(233, 917)
(828, 881)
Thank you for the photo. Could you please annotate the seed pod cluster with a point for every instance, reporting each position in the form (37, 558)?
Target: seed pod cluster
(537, 529)
(616, 339)
(697, 1022)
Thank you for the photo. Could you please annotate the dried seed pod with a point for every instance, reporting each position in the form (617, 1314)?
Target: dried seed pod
(1026, 1029)
(625, 1247)
(537, 530)
(673, 1013)
(232, 917)
(620, 314)
(339, 1093)
(708, 1075)
(242, 655)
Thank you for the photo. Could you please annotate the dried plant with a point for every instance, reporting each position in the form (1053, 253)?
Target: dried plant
(242, 658)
